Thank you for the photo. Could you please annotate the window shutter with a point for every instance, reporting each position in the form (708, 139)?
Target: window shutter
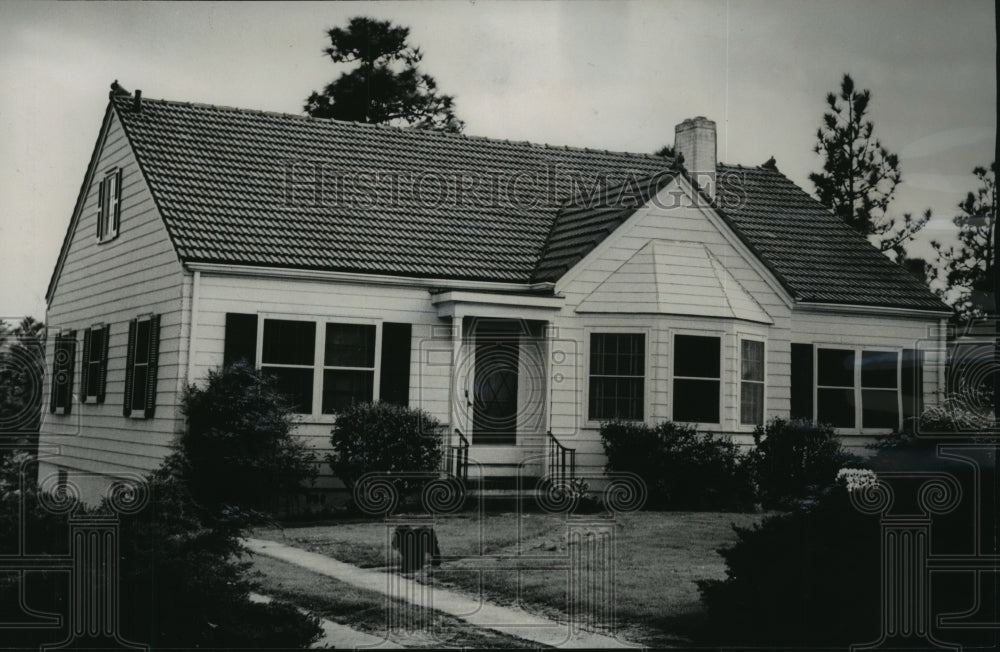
(85, 369)
(241, 338)
(100, 209)
(129, 371)
(70, 370)
(102, 384)
(802, 381)
(118, 203)
(912, 386)
(394, 382)
(54, 385)
(154, 355)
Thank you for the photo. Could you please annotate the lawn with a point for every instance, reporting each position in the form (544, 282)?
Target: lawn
(525, 560)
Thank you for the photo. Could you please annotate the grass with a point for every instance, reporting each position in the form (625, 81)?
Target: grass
(524, 560)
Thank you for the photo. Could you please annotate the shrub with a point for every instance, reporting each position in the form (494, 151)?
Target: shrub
(794, 460)
(804, 578)
(956, 414)
(239, 452)
(812, 576)
(370, 437)
(681, 468)
(184, 576)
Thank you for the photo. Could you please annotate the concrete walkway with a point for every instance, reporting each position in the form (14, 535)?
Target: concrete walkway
(506, 620)
(339, 636)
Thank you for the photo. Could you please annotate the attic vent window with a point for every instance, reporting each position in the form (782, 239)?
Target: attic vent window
(109, 206)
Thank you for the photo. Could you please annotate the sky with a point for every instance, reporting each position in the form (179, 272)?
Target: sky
(608, 75)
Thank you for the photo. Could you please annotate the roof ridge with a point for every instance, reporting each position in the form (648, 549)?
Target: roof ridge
(420, 133)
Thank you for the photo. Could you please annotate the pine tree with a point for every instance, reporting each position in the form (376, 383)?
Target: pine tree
(386, 87)
(969, 265)
(860, 176)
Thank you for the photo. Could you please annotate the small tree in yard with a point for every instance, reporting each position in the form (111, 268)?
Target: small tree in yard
(385, 438)
(183, 581)
(239, 452)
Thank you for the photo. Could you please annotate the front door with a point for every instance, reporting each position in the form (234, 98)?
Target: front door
(494, 404)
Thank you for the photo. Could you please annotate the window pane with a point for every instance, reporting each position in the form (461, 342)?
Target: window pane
(835, 367)
(350, 345)
(836, 407)
(296, 385)
(142, 342)
(752, 403)
(878, 369)
(879, 408)
(342, 389)
(697, 356)
(696, 401)
(618, 354)
(616, 398)
(752, 361)
(289, 342)
(139, 387)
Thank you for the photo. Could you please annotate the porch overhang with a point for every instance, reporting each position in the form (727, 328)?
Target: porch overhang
(463, 303)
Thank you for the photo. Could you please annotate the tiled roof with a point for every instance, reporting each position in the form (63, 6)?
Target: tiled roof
(815, 255)
(266, 189)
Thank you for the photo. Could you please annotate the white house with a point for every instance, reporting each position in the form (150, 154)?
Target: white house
(521, 293)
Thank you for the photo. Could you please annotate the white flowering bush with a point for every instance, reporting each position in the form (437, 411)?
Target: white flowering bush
(855, 479)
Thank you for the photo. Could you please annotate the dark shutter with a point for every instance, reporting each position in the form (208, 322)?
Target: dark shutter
(394, 382)
(241, 338)
(913, 385)
(102, 382)
(802, 381)
(85, 369)
(54, 385)
(70, 370)
(118, 204)
(154, 357)
(129, 371)
(100, 208)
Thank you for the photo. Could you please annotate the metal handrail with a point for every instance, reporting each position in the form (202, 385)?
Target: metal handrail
(457, 457)
(561, 460)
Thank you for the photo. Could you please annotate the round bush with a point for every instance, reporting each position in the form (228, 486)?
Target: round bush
(794, 460)
(383, 437)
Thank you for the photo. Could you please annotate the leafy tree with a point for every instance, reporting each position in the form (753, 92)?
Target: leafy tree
(969, 265)
(22, 370)
(860, 176)
(386, 87)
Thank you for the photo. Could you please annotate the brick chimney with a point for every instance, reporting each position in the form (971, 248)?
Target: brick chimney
(695, 140)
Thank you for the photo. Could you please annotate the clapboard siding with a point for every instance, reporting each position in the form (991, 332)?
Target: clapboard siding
(112, 283)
